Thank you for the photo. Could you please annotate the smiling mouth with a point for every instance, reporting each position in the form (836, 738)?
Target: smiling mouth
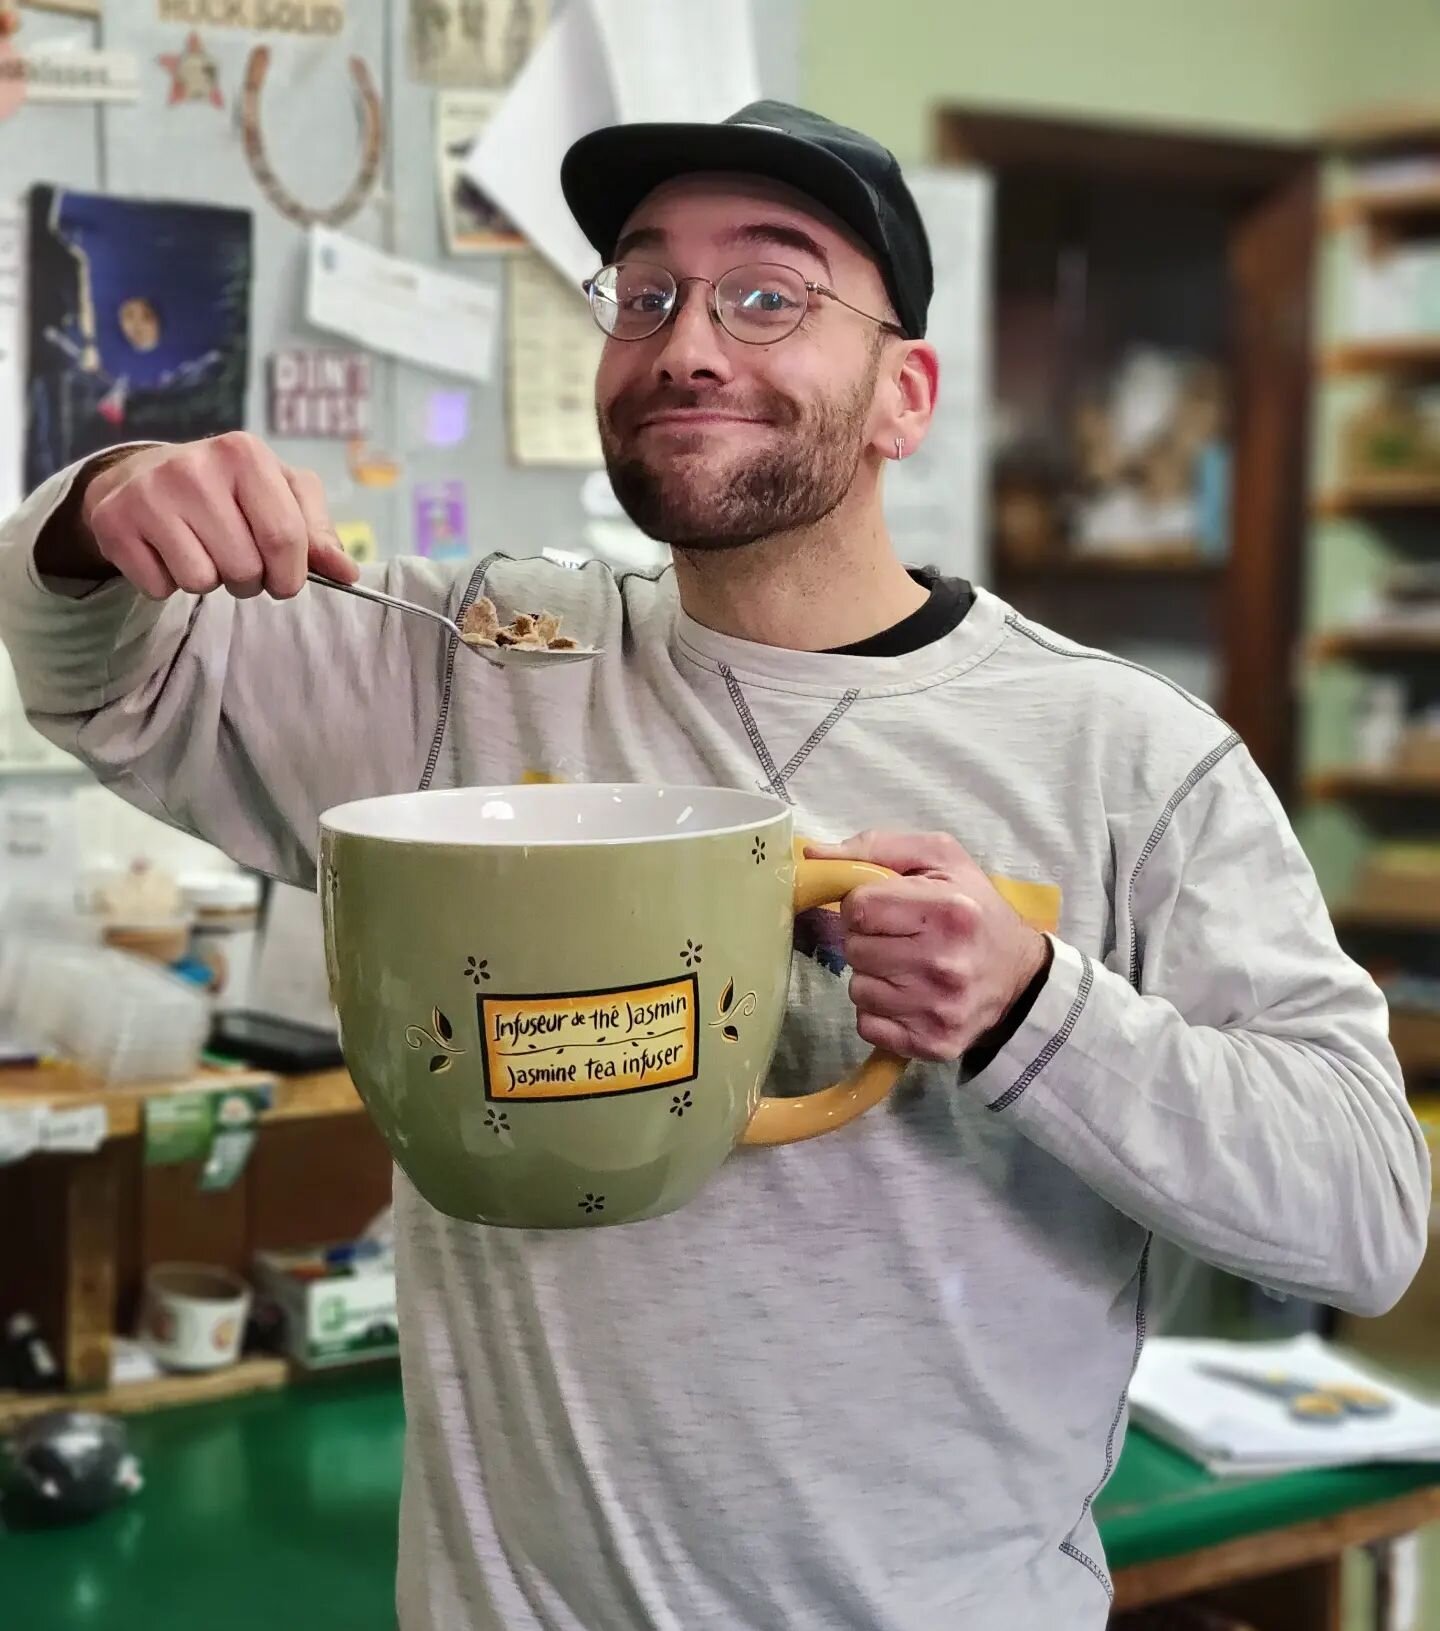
(688, 418)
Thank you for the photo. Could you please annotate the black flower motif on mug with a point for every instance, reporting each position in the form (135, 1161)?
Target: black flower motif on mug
(477, 969)
(498, 1122)
(681, 1103)
(691, 953)
(593, 1203)
(757, 849)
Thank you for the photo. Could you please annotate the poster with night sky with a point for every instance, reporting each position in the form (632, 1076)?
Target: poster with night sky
(139, 324)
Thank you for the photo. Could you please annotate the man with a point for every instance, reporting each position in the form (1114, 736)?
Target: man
(874, 1382)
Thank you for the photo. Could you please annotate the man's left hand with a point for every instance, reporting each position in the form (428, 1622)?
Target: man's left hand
(937, 955)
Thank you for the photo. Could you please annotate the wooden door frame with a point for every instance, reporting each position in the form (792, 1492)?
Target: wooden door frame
(1274, 188)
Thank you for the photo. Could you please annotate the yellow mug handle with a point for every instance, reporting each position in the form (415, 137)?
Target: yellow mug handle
(787, 1121)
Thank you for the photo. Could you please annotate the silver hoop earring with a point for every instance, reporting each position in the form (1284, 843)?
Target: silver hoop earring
(899, 447)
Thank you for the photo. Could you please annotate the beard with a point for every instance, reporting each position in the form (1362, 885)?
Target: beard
(725, 502)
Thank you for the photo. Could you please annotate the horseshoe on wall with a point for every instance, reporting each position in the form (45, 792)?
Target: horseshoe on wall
(371, 153)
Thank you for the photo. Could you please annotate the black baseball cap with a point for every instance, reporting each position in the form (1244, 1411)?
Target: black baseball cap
(607, 173)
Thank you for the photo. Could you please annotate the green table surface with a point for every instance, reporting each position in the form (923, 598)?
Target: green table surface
(278, 1510)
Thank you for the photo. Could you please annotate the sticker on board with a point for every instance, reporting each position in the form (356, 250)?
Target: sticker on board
(194, 74)
(320, 393)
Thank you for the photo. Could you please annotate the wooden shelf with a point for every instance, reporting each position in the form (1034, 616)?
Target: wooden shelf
(1386, 129)
(1375, 643)
(1358, 918)
(257, 1375)
(1181, 562)
(1416, 1039)
(1360, 782)
(64, 1087)
(1394, 493)
(1415, 356)
(1379, 206)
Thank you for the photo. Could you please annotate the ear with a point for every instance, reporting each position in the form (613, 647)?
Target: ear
(906, 400)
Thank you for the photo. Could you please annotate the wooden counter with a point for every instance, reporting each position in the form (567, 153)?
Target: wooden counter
(92, 1223)
(64, 1087)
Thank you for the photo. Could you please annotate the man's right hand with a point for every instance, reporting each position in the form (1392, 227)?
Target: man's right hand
(198, 516)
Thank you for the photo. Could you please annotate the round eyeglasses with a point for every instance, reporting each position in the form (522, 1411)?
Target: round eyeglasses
(759, 304)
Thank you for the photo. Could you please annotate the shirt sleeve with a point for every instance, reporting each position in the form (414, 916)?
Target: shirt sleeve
(1225, 1075)
(238, 720)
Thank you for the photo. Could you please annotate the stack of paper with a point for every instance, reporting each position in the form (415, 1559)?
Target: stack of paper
(1232, 1429)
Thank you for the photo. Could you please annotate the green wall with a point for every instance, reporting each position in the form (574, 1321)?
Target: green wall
(1283, 67)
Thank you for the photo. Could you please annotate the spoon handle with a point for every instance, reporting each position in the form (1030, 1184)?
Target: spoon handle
(382, 599)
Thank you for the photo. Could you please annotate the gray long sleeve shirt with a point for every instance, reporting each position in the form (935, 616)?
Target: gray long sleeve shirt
(871, 1383)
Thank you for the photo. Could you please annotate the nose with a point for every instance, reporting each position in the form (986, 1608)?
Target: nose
(692, 344)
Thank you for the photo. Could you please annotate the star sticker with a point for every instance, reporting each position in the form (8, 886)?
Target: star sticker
(193, 74)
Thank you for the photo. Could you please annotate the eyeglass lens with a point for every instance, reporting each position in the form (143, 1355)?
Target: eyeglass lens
(760, 303)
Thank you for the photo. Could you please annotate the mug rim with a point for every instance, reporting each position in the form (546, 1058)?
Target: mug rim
(344, 820)
(159, 1274)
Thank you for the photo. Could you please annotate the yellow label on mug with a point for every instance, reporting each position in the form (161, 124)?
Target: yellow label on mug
(585, 1044)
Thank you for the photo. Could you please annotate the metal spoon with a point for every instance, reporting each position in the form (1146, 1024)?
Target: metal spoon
(501, 656)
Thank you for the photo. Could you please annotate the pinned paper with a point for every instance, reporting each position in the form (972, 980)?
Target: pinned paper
(554, 350)
(605, 62)
(44, 75)
(320, 394)
(440, 529)
(12, 254)
(473, 42)
(401, 307)
(678, 62)
(357, 539)
(472, 224)
(516, 162)
(447, 418)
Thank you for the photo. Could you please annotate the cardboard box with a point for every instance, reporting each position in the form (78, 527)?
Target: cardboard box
(334, 1314)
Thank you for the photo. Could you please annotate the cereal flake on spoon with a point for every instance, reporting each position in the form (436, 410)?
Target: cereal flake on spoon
(526, 631)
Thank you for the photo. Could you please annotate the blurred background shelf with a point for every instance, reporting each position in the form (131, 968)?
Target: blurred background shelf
(1416, 1039)
(1419, 356)
(1159, 562)
(1394, 493)
(1385, 206)
(1361, 782)
(1359, 917)
(1374, 643)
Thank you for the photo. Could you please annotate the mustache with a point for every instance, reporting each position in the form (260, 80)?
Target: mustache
(631, 408)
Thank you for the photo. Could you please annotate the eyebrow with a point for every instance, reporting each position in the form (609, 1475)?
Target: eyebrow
(783, 235)
(640, 238)
(777, 233)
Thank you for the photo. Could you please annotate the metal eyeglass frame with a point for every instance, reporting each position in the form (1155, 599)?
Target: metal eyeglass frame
(673, 306)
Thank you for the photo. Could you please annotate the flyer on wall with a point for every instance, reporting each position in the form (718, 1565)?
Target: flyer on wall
(139, 325)
(480, 43)
(473, 225)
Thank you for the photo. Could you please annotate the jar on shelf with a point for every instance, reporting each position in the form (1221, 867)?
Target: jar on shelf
(226, 907)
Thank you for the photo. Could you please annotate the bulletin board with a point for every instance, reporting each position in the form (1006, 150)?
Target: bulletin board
(183, 138)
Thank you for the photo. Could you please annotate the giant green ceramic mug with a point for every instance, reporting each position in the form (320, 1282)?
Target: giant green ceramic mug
(560, 1003)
